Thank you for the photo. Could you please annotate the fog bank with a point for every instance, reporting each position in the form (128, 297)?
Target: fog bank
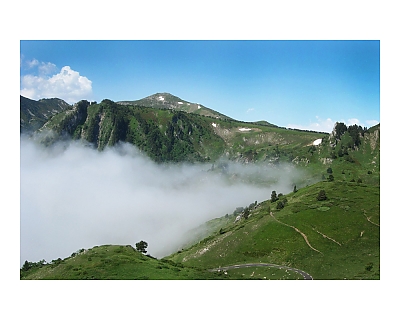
(73, 197)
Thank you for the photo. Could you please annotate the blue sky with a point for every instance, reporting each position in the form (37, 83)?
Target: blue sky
(297, 84)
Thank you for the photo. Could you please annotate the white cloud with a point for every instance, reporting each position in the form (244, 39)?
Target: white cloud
(33, 63)
(68, 84)
(250, 110)
(47, 68)
(75, 197)
(371, 123)
(353, 121)
(328, 124)
(320, 125)
(368, 123)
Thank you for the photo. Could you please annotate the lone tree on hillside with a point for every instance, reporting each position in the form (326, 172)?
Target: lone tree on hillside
(322, 195)
(274, 196)
(141, 246)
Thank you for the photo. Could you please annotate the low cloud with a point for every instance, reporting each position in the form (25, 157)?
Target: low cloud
(68, 84)
(73, 196)
(327, 125)
(321, 125)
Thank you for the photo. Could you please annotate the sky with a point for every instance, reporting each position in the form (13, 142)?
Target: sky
(296, 84)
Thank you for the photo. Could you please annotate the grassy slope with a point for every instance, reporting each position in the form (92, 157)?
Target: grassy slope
(118, 263)
(343, 218)
(167, 135)
(350, 248)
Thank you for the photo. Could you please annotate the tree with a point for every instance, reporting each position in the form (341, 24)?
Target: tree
(329, 170)
(246, 213)
(280, 205)
(274, 196)
(27, 265)
(331, 178)
(141, 246)
(294, 189)
(322, 195)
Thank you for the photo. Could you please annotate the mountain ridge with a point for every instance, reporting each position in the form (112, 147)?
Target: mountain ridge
(33, 114)
(343, 226)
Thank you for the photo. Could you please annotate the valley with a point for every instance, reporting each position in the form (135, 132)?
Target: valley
(321, 221)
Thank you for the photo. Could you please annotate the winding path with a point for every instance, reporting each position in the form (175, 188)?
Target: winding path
(305, 275)
(302, 234)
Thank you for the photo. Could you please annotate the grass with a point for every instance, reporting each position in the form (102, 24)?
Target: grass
(338, 228)
(117, 262)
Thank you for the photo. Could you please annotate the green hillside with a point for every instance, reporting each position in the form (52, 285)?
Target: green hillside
(336, 238)
(33, 114)
(169, 101)
(170, 135)
(113, 262)
(328, 227)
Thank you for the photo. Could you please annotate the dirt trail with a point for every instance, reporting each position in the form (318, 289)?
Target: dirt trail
(369, 219)
(303, 235)
(325, 236)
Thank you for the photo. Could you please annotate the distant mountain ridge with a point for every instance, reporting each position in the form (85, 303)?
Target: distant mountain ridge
(168, 128)
(168, 101)
(33, 114)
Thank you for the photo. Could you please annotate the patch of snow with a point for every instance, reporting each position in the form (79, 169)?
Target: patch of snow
(198, 107)
(214, 125)
(244, 129)
(180, 102)
(160, 98)
(317, 142)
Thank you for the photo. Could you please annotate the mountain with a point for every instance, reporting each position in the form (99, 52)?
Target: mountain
(171, 134)
(33, 114)
(327, 228)
(169, 101)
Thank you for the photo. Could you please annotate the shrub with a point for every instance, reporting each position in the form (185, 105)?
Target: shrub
(322, 195)
(280, 205)
(273, 196)
(141, 246)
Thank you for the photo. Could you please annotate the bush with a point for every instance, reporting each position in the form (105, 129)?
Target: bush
(273, 196)
(141, 246)
(322, 195)
(280, 205)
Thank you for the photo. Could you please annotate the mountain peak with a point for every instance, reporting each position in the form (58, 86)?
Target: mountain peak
(165, 100)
